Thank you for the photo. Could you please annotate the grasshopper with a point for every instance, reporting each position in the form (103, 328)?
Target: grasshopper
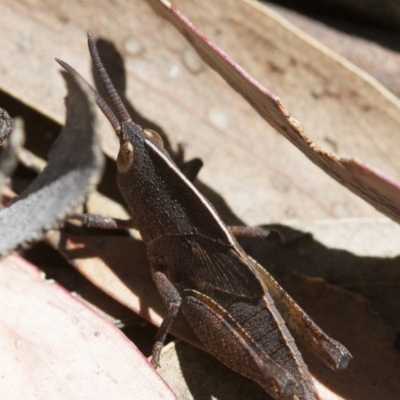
(234, 306)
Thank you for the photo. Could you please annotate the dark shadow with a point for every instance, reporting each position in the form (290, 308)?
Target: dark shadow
(302, 254)
(345, 20)
(40, 131)
(108, 185)
(207, 378)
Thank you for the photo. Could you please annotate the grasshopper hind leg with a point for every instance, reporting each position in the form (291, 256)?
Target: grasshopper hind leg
(333, 353)
(231, 344)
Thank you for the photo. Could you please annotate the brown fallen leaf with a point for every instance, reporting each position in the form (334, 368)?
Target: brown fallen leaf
(371, 48)
(54, 345)
(174, 88)
(375, 187)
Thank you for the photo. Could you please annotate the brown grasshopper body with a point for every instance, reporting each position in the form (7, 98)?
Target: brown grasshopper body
(198, 266)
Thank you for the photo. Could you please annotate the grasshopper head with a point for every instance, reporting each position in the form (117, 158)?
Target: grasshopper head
(131, 135)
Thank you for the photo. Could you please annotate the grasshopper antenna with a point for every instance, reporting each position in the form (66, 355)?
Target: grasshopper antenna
(105, 80)
(99, 100)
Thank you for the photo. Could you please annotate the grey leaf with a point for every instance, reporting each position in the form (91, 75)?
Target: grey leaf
(74, 168)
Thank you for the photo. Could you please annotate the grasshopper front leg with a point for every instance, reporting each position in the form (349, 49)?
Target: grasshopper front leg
(99, 221)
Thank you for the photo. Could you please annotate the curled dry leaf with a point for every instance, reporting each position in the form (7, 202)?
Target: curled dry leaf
(52, 343)
(375, 187)
(74, 168)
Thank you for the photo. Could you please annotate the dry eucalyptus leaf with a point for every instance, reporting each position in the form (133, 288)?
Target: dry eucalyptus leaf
(374, 50)
(362, 237)
(167, 82)
(74, 168)
(54, 346)
(375, 187)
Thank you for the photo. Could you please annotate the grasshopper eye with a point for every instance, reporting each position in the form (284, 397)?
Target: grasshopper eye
(125, 157)
(154, 137)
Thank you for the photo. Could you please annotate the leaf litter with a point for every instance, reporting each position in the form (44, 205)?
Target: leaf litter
(79, 257)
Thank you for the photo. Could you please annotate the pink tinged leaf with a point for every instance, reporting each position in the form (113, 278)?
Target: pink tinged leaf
(6, 196)
(54, 346)
(380, 191)
(74, 168)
